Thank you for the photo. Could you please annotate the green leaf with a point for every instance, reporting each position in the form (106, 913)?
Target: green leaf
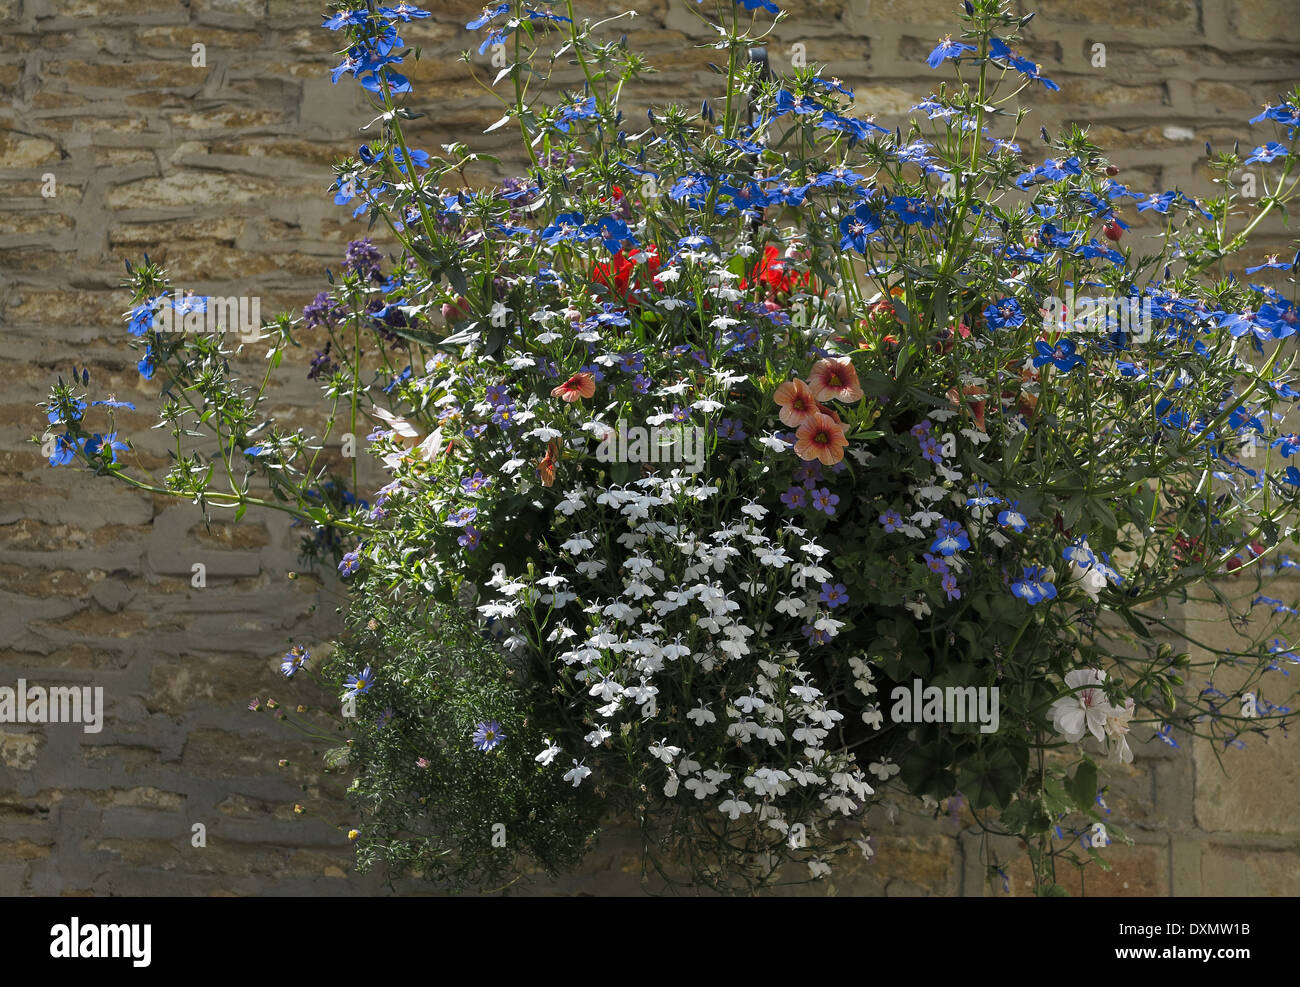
(1138, 627)
(923, 771)
(1083, 786)
(991, 778)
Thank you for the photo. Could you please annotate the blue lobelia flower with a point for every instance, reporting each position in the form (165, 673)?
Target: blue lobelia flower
(1035, 587)
(945, 49)
(950, 539)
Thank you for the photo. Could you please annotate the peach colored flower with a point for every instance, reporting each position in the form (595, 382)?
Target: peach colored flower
(547, 466)
(581, 385)
(821, 438)
(975, 400)
(796, 401)
(835, 379)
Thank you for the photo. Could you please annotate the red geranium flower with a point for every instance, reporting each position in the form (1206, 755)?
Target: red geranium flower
(771, 271)
(620, 274)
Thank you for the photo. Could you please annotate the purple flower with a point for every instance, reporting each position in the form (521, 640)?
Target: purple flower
(794, 498)
(949, 584)
(360, 683)
(813, 635)
(488, 735)
(351, 563)
(475, 483)
(322, 363)
(462, 518)
(825, 501)
(892, 520)
(470, 539)
(321, 312)
(295, 659)
(363, 257)
(935, 564)
(835, 595)
(808, 474)
(732, 429)
(930, 450)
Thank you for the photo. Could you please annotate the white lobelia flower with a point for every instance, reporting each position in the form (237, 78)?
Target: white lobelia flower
(576, 773)
(598, 736)
(734, 807)
(702, 787)
(701, 715)
(884, 769)
(918, 607)
(548, 755)
(1086, 709)
(664, 751)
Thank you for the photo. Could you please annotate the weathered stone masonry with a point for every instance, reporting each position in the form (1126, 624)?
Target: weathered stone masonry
(220, 173)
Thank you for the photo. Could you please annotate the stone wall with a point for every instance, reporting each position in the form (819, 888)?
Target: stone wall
(113, 144)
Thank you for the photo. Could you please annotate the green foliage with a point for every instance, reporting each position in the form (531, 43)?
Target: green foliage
(471, 819)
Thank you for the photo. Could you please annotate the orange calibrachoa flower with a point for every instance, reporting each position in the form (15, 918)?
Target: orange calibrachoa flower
(835, 379)
(581, 385)
(975, 401)
(547, 466)
(796, 401)
(821, 438)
